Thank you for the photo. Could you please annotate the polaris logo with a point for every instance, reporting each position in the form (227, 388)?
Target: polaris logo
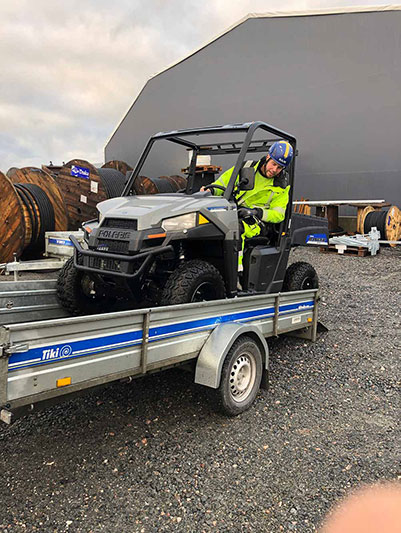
(56, 353)
(114, 234)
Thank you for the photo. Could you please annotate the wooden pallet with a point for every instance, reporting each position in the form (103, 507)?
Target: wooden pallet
(360, 251)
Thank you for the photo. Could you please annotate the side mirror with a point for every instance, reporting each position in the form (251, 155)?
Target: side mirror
(246, 179)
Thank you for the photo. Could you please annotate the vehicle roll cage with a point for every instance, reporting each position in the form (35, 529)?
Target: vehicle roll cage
(248, 145)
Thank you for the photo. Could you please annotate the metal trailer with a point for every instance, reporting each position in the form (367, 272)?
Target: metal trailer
(224, 341)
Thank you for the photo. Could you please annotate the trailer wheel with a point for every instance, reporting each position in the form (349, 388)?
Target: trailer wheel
(240, 377)
(77, 292)
(193, 281)
(300, 276)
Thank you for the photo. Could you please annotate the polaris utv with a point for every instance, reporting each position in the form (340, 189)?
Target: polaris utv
(174, 248)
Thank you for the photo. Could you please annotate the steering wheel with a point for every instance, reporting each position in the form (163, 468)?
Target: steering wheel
(215, 187)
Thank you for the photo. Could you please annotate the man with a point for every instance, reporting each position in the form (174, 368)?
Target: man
(268, 200)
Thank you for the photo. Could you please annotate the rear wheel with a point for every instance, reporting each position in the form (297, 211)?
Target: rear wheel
(240, 377)
(78, 293)
(193, 281)
(300, 276)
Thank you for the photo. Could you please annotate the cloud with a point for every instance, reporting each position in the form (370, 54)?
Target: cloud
(70, 70)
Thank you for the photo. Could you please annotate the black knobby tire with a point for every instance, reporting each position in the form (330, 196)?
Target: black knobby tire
(241, 376)
(193, 281)
(300, 276)
(71, 292)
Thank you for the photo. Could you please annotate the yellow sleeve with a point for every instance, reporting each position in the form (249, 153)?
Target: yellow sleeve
(223, 181)
(275, 213)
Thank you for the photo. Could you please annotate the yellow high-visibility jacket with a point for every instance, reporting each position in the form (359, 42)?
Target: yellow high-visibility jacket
(269, 194)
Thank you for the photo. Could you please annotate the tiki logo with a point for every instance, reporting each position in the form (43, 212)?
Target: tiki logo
(56, 353)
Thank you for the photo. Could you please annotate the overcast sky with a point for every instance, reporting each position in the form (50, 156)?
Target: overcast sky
(71, 69)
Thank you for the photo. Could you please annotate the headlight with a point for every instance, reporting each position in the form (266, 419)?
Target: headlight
(180, 223)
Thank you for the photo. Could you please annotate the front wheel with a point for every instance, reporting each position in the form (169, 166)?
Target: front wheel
(240, 377)
(193, 281)
(78, 294)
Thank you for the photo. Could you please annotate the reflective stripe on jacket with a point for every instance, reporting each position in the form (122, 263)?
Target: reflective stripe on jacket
(271, 198)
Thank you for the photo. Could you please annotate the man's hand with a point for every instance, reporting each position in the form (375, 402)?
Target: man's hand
(249, 215)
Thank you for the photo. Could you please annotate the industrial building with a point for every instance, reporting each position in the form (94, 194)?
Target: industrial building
(332, 79)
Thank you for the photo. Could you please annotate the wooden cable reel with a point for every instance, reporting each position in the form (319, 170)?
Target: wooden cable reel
(144, 185)
(84, 186)
(12, 224)
(360, 221)
(122, 166)
(388, 222)
(41, 209)
(42, 179)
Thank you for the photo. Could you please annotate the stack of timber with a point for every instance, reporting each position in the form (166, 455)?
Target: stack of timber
(32, 204)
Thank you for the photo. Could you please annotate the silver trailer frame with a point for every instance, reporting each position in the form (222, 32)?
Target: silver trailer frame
(52, 359)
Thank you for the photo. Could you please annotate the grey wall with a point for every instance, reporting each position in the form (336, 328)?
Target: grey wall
(333, 81)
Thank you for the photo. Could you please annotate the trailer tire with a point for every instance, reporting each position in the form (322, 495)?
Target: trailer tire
(300, 276)
(241, 376)
(72, 295)
(193, 281)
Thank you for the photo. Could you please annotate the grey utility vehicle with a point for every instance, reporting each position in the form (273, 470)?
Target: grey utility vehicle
(175, 248)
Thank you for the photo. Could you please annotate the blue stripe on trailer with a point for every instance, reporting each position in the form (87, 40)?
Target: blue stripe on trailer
(62, 352)
(62, 242)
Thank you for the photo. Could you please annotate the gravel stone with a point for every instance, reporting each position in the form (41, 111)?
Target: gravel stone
(153, 456)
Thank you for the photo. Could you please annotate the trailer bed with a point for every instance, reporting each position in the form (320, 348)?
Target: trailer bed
(51, 358)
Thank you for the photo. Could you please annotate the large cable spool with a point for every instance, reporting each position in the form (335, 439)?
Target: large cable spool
(83, 186)
(144, 185)
(122, 166)
(12, 225)
(388, 222)
(41, 203)
(163, 184)
(42, 179)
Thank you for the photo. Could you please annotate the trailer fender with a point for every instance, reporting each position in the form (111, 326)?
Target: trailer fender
(211, 357)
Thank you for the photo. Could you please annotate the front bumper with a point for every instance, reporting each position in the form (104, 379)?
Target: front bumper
(133, 267)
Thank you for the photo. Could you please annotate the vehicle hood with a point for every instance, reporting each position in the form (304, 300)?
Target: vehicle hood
(150, 210)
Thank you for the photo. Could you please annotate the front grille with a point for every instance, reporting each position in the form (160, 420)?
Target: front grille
(104, 264)
(105, 245)
(120, 223)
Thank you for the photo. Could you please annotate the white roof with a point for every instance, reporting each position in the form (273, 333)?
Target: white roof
(269, 14)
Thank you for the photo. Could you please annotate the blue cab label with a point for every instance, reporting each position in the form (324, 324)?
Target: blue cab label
(317, 238)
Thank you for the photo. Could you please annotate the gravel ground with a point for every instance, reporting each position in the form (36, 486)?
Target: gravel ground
(154, 456)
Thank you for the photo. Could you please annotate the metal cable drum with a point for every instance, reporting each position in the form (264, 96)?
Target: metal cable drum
(12, 224)
(388, 222)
